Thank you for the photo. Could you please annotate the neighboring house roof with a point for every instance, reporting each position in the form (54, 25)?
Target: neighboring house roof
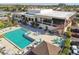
(4, 12)
(18, 13)
(46, 49)
(51, 13)
(3, 18)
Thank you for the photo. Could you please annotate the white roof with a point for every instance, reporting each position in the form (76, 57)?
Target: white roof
(54, 14)
(58, 14)
(18, 13)
(3, 12)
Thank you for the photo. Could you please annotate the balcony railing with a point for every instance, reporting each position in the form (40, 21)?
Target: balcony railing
(54, 25)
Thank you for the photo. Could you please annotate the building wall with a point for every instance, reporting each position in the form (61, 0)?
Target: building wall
(68, 25)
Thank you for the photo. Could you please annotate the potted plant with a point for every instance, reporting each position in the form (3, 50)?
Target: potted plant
(46, 28)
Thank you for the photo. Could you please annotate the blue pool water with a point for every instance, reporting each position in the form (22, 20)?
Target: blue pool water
(17, 38)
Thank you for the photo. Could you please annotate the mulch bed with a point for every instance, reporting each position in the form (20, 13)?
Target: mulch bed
(1, 36)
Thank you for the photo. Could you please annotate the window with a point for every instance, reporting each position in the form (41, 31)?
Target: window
(58, 21)
(35, 19)
(32, 19)
(47, 20)
(29, 19)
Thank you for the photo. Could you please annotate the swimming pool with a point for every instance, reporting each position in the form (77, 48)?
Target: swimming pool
(17, 38)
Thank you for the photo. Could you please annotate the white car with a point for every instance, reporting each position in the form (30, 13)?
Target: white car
(75, 50)
(74, 47)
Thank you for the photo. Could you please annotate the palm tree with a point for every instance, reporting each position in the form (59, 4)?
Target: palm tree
(11, 22)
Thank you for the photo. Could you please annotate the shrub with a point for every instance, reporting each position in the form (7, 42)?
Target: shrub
(68, 29)
(1, 25)
(65, 51)
(68, 34)
(67, 43)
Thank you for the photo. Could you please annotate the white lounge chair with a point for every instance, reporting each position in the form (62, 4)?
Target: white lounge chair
(1, 46)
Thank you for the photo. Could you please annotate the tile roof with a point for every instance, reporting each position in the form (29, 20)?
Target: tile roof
(46, 49)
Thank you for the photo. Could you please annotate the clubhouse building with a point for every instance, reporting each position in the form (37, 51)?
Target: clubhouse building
(53, 20)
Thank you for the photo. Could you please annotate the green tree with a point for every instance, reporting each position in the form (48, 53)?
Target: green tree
(68, 34)
(67, 43)
(1, 25)
(65, 51)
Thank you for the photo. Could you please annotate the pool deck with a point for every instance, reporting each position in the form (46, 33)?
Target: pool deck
(8, 30)
(42, 35)
(6, 43)
(32, 34)
(46, 38)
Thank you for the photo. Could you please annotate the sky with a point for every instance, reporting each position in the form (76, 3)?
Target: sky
(40, 2)
(52, 3)
(72, 3)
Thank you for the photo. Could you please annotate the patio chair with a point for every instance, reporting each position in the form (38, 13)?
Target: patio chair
(58, 41)
(38, 40)
(1, 49)
(54, 41)
(20, 52)
(40, 27)
(50, 32)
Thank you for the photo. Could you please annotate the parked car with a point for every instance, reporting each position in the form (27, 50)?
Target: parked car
(76, 35)
(75, 50)
(75, 30)
(74, 47)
